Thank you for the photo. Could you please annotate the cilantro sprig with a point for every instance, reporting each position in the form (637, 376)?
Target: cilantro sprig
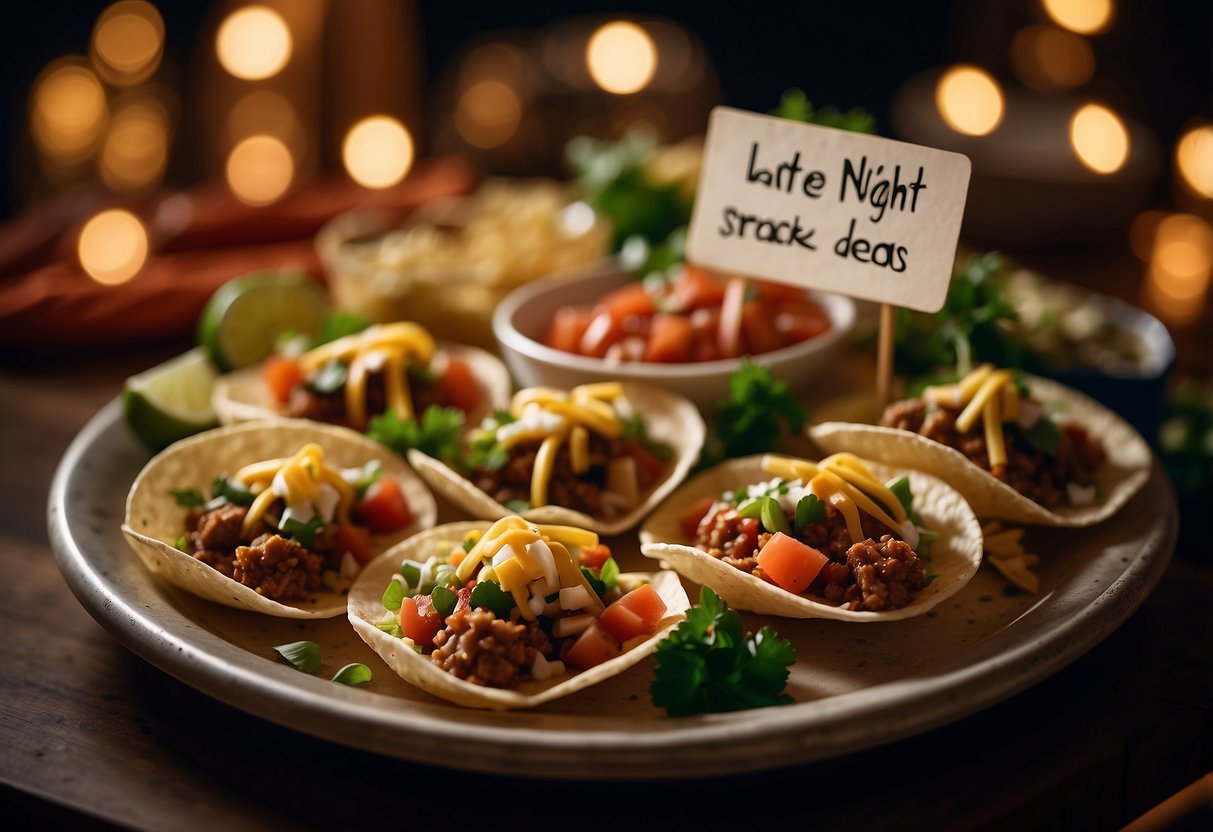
(436, 434)
(759, 415)
(709, 664)
(796, 106)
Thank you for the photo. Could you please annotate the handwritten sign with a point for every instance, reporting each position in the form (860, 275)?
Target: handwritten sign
(829, 209)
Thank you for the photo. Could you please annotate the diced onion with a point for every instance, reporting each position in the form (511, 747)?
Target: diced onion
(571, 625)
(574, 598)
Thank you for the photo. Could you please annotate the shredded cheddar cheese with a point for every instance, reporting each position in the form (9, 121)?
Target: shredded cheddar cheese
(294, 480)
(989, 394)
(1005, 552)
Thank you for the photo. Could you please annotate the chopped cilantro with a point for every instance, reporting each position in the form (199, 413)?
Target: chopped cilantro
(757, 416)
(796, 107)
(609, 573)
(302, 655)
(225, 489)
(354, 673)
(436, 434)
(490, 596)
(809, 510)
(444, 600)
(599, 585)
(182, 545)
(1044, 436)
(391, 627)
(709, 664)
(188, 497)
(302, 533)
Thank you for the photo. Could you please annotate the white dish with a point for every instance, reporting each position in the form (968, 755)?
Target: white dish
(854, 687)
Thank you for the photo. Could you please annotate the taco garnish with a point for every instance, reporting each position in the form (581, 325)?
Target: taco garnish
(284, 534)
(840, 538)
(599, 455)
(510, 614)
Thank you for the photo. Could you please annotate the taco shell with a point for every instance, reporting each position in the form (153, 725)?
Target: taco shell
(154, 520)
(1123, 474)
(366, 608)
(954, 558)
(670, 418)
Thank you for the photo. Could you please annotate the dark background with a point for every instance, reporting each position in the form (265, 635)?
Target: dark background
(1156, 63)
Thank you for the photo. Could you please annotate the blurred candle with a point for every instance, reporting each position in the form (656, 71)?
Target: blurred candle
(1086, 17)
(969, 100)
(69, 112)
(488, 113)
(377, 152)
(112, 247)
(254, 43)
(260, 170)
(135, 151)
(1099, 138)
(1177, 282)
(621, 58)
(127, 42)
(1194, 160)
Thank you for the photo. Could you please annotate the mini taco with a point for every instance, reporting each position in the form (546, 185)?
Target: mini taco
(1020, 448)
(840, 538)
(510, 614)
(599, 456)
(274, 517)
(394, 368)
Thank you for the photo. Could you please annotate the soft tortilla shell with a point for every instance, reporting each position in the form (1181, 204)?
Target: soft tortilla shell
(243, 396)
(366, 608)
(154, 520)
(670, 418)
(954, 557)
(1122, 476)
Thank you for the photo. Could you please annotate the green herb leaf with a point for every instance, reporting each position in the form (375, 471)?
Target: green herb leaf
(188, 497)
(490, 596)
(182, 545)
(768, 511)
(302, 655)
(330, 379)
(1044, 436)
(709, 664)
(517, 506)
(795, 106)
(597, 583)
(393, 595)
(411, 572)
(229, 490)
(444, 600)
(809, 510)
(302, 533)
(609, 573)
(758, 415)
(436, 434)
(391, 627)
(355, 673)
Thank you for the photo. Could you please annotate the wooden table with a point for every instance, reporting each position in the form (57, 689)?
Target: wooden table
(91, 735)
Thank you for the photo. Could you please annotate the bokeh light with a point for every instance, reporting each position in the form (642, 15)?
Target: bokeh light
(263, 112)
(969, 100)
(1048, 59)
(112, 247)
(127, 42)
(260, 170)
(1194, 160)
(488, 114)
(1099, 138)
(1086, 17)
(68, 112)
(621, 58)
(254, 43)
(1142, 232)
(1177, 282)
(377, 152)
(135, 151)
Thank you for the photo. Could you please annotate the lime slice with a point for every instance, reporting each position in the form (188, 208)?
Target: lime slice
(171, 400)
(246, 316)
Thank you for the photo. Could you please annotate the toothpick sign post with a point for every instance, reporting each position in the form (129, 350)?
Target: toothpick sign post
(829, 209)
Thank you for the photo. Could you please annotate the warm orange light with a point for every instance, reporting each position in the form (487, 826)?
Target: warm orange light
(1142, 232)
(263, 112)
(254, 43)
(1177, 282)
(1048, 59)
(1086, 17)
(112, 247)
(68, 113)
(1099, 138)
(260, 169)
(128, 41)
(621, 58)
(135, 151)
(377, 152)
(1194, 160)
(969, 100)
(488, 114)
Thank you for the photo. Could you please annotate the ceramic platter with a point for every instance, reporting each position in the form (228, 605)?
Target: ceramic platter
(855, 686)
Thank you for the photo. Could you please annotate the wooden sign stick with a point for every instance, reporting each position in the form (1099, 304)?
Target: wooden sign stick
(884, 354)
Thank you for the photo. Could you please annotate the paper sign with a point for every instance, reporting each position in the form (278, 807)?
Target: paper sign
(828, 209)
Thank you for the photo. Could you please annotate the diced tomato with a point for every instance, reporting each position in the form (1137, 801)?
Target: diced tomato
(834, 573)
(789, 563)
(603, 332)
(651, 468)
(568, 327)
(626, 301)
(281, 376)
(801, 320)
(695, 288)
(778, 293)
(384, 506)
(728, 339)
(419, 620)
(458, 387)
(758, 333)
(464, 599)
(636, 614)
(593, 557)
(705, 323)
(690, 519)
(593, 647)
(353, 539)
(747, 537)
(670, 339)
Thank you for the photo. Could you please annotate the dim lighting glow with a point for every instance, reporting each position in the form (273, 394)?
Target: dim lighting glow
(488, 114)
(1142, 233)
(969, 100)
(260, 170)
(1099, 138)
(254, 43)
(263, 112)
(1194, 160)
(1048, 59)
(128, 41)
(69, 112)
(1086, 17)
(621, 58)
(377, 152)
(135, 151)
(1177, 282)
(112, 247)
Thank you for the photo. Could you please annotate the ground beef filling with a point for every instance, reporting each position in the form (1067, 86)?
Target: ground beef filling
(581, 492)
(1036, 475)
(271, 565)
(477, 646)
(306, 403)
(867, 575)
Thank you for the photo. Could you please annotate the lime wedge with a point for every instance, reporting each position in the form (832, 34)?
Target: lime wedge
(171, 400)
(246, 316)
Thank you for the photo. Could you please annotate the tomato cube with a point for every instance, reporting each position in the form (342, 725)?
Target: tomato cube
(353, 539)
(384, 506)
(458, 387)
(790, 563)
(420, 621)
(646, 604)
(568, 328)
(670, 339)
(281, 375)
(593, 647)
(695, 288)
(758, 333)
(627, 301)
(603, 332)
(801, 320)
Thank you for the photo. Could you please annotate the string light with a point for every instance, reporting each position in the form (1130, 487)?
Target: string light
(1194, 160)
(621, 58)
(254, 43)
(969, 100)
(127, 42)
(377, 152)
(69, 112)
(1086, 17)
(1099, 138)
(260, 170)
(112, 247)
(488, 114)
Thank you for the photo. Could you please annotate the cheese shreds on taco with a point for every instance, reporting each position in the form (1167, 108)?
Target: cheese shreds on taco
(510, 614)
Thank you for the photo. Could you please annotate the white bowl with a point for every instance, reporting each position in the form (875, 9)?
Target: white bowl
(521, 322)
